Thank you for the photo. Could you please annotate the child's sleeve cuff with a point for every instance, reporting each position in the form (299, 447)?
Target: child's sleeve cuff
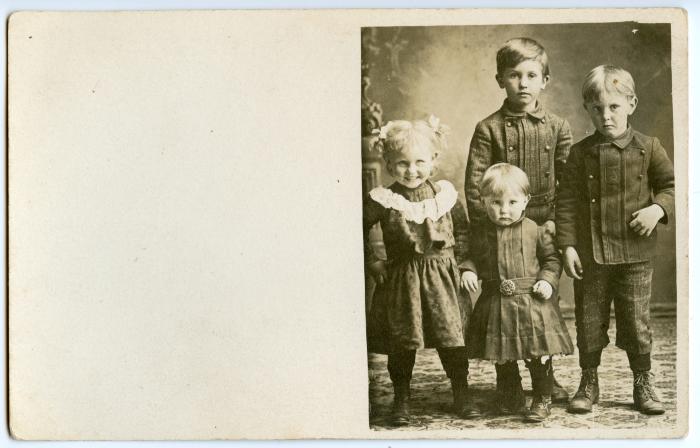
(549, 277)
(665, 206)
(467, 265)
(564, 241)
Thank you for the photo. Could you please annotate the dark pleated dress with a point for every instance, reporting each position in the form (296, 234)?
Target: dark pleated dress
(420, 305)
(509, 322)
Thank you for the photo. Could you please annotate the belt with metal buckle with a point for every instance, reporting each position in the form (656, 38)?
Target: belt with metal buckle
(513, 286)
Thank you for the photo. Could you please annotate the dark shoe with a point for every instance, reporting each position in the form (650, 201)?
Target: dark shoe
(400, 411)
(539, 409)
(559, 394)
(542, 382)
(587, 394)
(463, 404)
(509, 389)
(645, 399)
(514, 401)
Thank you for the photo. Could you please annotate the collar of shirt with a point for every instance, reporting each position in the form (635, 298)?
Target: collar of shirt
(537, 113)
(620, 141)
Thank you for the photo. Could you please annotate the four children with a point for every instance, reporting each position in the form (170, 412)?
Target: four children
(533, 201)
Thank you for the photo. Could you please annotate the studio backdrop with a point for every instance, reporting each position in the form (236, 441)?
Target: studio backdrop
(412, 72)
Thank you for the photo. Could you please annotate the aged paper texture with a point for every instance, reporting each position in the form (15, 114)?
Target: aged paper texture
(185, 240)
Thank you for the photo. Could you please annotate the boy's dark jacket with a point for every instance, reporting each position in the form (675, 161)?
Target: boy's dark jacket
(538, 142)
(603, 183)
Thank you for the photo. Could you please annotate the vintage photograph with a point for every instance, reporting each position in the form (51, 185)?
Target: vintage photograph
(519, 233)
(185, 257)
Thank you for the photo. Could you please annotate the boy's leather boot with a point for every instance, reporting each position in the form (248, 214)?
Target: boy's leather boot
(509, 388)
(542, 382)
(587, 394)
(463, 404)
(645, 399)
(400, 411)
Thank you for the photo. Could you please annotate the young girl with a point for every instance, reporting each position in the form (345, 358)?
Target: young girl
(515, 316)
(417, 303)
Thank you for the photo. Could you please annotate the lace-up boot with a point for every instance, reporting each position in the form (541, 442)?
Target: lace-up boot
(542, 382)
(587, 394)
(645, 399)
(463, 403)
(400, 411)
(509, 388)
(539, 409)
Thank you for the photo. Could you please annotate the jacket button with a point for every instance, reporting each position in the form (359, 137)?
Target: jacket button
(510, 148)
(543, 120)
(590, 176)
(546, 173)
(508, 124)
(641, 176)
(643, 151)
(593, 200)
(547, 147)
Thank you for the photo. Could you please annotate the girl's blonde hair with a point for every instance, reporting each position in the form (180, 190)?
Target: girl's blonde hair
(607, 79)
(503, 177)
(398, 135)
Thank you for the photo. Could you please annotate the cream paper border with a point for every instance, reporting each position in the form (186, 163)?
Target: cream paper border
(184, 222)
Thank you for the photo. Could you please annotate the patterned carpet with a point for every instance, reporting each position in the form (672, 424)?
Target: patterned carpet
(431, 396)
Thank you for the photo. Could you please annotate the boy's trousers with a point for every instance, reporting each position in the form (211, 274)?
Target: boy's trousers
(628, 286)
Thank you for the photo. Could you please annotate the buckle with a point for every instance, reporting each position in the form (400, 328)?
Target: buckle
(507, 287)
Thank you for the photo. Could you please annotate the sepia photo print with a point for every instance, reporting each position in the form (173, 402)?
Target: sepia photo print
(492, 157)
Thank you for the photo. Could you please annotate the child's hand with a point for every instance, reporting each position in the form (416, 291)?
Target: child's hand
(542, 290)
(645, 220)
(470, 281)
(378, 271)
(550, 227)
(572, 263)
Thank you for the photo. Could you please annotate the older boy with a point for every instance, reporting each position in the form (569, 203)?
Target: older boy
(524, 134)
(617, 185)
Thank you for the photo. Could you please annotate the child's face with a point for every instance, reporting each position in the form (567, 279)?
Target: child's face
(523, 84)
(412, 166)
(609, 113)
(506, 208)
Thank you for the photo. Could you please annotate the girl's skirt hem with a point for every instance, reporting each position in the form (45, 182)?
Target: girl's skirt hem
(554, 357)
(383, 350)
(420, 305)
(516, 327)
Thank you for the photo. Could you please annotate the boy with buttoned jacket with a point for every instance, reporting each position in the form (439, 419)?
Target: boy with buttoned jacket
(617, 185)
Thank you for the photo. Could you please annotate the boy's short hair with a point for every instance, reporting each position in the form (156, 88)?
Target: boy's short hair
(607, 79)
(520, 49)
(503, 177)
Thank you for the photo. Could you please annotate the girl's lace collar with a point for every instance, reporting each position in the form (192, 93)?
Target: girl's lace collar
(433, 208)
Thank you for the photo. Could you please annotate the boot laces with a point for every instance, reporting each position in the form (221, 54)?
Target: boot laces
(643, 382)
(588, 382)
(541, 402)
